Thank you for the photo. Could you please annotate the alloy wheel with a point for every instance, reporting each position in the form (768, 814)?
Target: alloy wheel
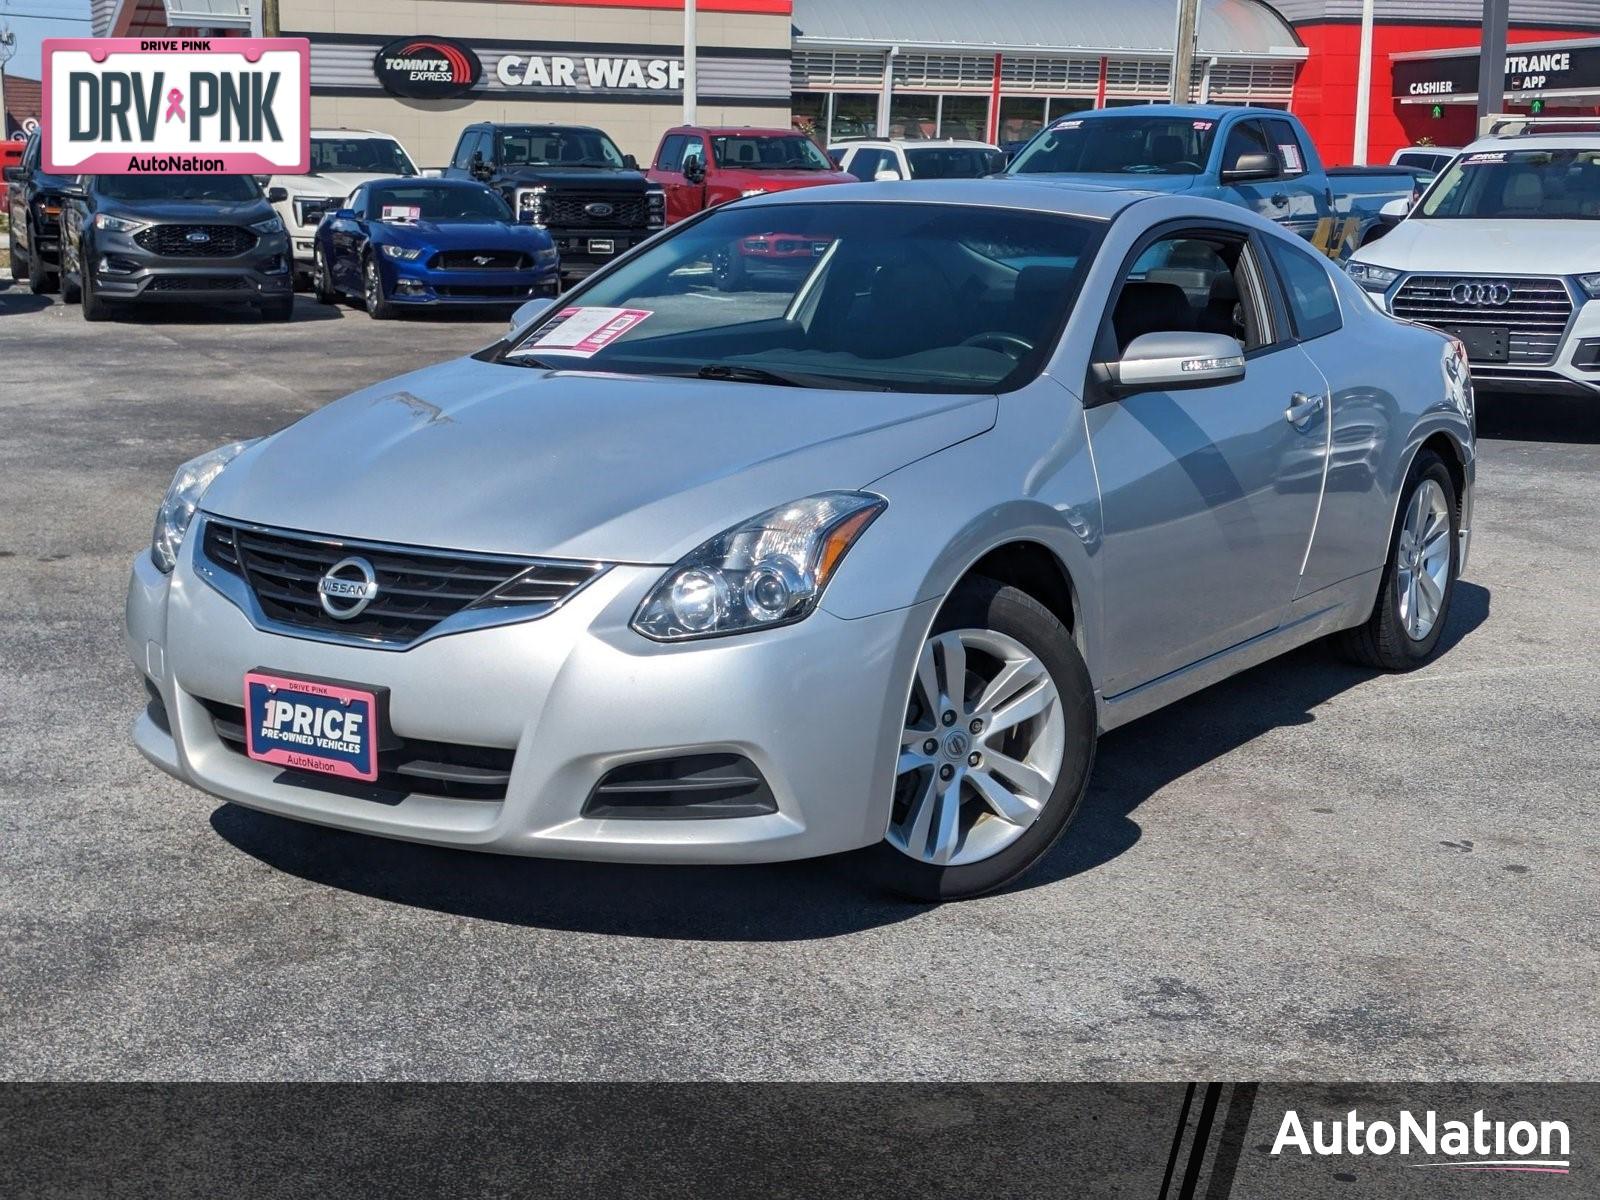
(374, 296)
(982, 747)
(1422, 554)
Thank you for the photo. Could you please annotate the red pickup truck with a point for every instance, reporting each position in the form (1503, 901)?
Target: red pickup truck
(699, 166)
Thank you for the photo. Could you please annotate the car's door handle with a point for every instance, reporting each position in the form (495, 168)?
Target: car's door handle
(1280, 198)
(1302, 408)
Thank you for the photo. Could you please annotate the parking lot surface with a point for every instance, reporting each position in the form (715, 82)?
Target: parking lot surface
(1306, 872)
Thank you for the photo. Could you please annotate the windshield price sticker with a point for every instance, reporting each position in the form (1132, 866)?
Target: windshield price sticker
(1067, 125)
(401, 214)
(586, 331)
(1494, 156)
(161, 106)
(1204, 125)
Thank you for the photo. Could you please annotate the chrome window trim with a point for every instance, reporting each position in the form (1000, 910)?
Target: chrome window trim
(238, 591)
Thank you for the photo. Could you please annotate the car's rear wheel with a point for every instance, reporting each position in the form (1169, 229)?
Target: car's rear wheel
(1420, 578)
(996, 750)
(322, 279)
(727, 270)
(378, 306)
(41, 282)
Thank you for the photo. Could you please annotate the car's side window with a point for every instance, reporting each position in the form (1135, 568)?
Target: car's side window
(671, 156)
(1246, 137)
(693, 148)
(356, 202)
(864, 163)
(1313, 302)
(463, 157)
(1193, 282)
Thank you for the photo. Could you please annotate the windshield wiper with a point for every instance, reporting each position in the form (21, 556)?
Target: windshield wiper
(740, 374)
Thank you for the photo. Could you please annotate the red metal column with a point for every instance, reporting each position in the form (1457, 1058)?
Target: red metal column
(1100, 87)
(994, 104)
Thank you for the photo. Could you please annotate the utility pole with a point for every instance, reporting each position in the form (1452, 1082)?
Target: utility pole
(1183, 44)
(1364, 87)
(8, 47)
(690, 90)
(269, 18)
(1492, 58)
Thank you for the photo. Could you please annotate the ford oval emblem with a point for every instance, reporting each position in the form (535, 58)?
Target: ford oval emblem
(599, 209)
(197, 236)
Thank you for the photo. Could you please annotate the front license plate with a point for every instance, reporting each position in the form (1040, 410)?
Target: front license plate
(1484, 343)
(602, 246)
(311, 725)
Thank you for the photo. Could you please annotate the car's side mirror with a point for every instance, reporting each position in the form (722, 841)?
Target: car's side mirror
(529, 313)
(13, 174)
(1251, 166)
(73, 191)
(277, 195)
(343, 214)
(432, 172)
(694, 169)
(885, 175)
(479, 168)
(630, 162)
(1396, 209)
(1165, 362)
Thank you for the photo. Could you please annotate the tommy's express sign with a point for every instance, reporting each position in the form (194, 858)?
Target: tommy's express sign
(127, 106)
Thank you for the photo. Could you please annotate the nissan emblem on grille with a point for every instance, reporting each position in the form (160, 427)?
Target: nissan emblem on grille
(1480, 292)
(599, 209)
(347, 588)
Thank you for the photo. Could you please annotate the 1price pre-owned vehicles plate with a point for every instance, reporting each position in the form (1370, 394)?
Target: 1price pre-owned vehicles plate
(864, 553)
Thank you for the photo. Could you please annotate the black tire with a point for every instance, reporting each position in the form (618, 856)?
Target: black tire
(322, 280)
(980, 603)
(378, 306)
(19, 262)
(279, 308)
(94, 308)
(1382, 641)
(728, 270)
(41, 282)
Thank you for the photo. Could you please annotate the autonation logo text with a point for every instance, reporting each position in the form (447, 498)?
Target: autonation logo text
(1476, 1145)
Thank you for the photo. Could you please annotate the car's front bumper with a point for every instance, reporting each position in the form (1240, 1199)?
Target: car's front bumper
(125, 271)
(413, 282)
(817, 707)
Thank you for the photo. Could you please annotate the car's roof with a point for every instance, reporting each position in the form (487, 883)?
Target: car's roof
(734, 130)
(427, 181)
(1539, 141)
(1211, 112)
(572, 125)
(353, 133)
(912, 143)
(1074, 199)
(1426, 150)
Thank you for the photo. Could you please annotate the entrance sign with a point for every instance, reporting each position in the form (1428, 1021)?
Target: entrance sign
(201, 106)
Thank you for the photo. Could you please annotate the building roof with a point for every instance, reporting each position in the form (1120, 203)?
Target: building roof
(1233, 27)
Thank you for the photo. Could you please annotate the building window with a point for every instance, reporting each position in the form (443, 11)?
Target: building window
(810, 114)
(964, 117)
(1020, 117)
(913, 116)
(1061, 106)
(855, 114)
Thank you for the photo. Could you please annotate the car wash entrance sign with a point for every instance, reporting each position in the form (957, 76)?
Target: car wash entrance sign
(208, 106)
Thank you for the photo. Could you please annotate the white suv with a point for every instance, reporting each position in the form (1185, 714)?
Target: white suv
(1501, 253)
(870, 159)
(341, 160)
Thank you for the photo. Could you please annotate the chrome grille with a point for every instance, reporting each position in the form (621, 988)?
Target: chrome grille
(417, 588)
(1535, 317)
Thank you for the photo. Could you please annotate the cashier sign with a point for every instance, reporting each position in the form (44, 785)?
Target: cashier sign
(160, 106)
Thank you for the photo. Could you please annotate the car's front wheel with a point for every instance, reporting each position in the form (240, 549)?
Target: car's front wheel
(378, 306)
(41, 280)
(322, 279)
(1420, 577)
(994, 758)
(19, 264)
(94, 308)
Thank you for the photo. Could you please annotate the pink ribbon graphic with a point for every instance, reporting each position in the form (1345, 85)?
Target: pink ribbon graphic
(175, 106)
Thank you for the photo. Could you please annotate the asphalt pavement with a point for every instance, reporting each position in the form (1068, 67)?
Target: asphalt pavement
(1307, 872)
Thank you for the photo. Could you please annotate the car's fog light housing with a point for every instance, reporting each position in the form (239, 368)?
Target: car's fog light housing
(177, 509)
(1591, 285)
(768, 571)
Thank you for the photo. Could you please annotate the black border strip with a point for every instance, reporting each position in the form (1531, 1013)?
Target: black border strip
(673, 98)
(654, 49)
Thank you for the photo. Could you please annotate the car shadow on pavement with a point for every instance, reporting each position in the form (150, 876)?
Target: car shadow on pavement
(1533, 418)
(821, 897)
(16, 299)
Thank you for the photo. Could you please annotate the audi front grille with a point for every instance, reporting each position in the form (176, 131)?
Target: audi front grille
(1535, 312)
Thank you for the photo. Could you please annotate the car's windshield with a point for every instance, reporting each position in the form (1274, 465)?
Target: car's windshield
(1119, 146)
(364, 156)
(769, 152)
(546, 147)
(868, 296)
(436, 202)
(1552, 185)
(235, 189)
(954, 162)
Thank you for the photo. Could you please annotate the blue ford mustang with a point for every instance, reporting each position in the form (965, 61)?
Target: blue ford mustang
(402, 242)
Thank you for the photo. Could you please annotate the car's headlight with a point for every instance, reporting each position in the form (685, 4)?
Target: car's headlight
(768, 571)
(183, 497)
(530, 204)
(272, 224)
(656, 207)
(1371, 276)
(405, 252)
(1591, 285)
(116, 224)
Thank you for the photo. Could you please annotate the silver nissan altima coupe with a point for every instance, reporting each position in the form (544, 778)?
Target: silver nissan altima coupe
(842, 518)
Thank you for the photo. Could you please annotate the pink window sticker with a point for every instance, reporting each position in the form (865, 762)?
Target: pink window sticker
(1291, 158)
(1204, 124)
(402, 213)
(585, 331)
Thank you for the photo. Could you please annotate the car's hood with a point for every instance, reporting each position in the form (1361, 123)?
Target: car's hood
(459, 235)
(1497, 247)
(600, 179)
(198, 212)
(1111, 179)
(332, 184)
(469, 455)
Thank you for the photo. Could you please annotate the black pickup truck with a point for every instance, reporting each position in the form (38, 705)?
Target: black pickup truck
(34, 200)
(571, 180)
